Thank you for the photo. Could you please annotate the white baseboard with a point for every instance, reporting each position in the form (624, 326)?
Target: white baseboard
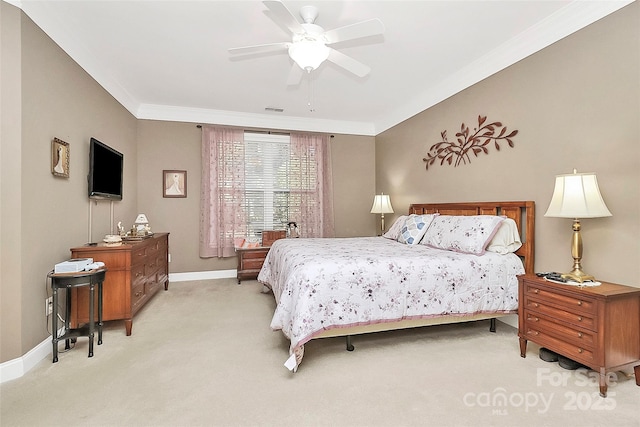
(16, 368)
(202, 275)
(511, 320)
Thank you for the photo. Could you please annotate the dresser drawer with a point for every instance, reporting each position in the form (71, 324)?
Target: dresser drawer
(566, 301)
(580, 337)
(137, 275)
(137, 296)
(547, 338)
(585, 320)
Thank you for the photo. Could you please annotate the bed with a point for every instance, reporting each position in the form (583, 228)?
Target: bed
(415, 275)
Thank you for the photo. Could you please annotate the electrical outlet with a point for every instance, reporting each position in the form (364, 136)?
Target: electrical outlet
(48, 308)
(169, 258)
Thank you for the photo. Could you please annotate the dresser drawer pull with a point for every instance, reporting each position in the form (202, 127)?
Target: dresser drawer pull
(579, 318)
(579, 334)
(138, 274)
(579, 302)
(533, 319)
(580, 350)
(536, 291)
(138, 293)
(535, 304)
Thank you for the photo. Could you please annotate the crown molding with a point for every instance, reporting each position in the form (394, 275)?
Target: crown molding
(233, 118)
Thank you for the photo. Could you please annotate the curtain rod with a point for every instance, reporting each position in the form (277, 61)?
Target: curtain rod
(266, 131)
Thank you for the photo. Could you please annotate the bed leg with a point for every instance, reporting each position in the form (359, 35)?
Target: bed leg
(492, 326)
(350, 346)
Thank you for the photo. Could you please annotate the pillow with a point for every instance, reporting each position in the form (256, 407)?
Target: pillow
(414, 228)
(506, 239)
(466, 234)
(394, 230)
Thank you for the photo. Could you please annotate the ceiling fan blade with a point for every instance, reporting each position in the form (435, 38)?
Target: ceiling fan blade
(348, 63)
(372, 27)
(283, 16)
(260, 48)
(295, 75)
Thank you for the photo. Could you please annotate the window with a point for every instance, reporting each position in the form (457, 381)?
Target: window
(259, 181)
(267, 196)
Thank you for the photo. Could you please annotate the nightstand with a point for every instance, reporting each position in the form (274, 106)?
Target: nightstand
(250, 261)
(597, 326)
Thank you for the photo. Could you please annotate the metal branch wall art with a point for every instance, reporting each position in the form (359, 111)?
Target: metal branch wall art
(467, 143)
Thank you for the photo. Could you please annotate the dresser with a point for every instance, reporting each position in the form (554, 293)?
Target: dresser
(597, 326)
(136, 270)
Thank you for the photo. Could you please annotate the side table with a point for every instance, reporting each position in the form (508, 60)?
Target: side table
(250, 261)
(74, 280)
(596, 326)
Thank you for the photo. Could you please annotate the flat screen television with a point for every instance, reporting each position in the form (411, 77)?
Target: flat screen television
(105, 171)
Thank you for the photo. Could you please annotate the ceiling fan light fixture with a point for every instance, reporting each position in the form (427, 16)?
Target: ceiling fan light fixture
(309, 54)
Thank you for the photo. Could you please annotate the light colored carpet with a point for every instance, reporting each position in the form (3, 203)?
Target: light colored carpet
(202, 354)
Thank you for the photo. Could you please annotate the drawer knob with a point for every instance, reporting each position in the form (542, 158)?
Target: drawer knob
(536, 291)
(580, 350)
(579, 302)
(579, 318)
(533, 319)
(535, 304)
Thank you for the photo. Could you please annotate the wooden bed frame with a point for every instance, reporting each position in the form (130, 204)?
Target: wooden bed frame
(523, 213)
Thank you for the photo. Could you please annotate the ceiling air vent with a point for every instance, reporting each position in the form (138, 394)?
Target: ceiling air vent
(274, 109)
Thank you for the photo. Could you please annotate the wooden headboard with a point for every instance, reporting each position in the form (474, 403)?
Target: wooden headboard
(523, 213)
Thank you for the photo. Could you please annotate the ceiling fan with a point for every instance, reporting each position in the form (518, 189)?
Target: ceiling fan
(309, 46)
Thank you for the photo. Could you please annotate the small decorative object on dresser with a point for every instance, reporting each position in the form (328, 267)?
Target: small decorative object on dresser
(596, 326)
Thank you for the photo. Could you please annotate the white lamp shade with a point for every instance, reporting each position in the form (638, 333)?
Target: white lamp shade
(381, 204)
(577, 195)
(141, 219)
(309, 54)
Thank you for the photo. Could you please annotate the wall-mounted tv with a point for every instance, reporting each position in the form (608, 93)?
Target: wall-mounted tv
(105, 171)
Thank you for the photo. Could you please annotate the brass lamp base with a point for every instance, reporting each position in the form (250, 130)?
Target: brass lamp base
(578, 276)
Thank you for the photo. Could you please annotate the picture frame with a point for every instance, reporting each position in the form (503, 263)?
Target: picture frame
(174, 183)
(60, 152)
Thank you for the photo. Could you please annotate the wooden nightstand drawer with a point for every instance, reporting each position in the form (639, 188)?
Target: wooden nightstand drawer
(583, 338)
(546, 338)
(252, 263)
(566, 301)
(578, 319)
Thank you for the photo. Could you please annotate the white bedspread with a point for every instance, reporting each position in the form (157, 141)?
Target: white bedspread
(322, 284)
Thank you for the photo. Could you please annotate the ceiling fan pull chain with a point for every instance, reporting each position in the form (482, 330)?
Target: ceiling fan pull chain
(310, 103)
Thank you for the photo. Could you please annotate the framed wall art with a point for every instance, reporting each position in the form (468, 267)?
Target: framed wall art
(59, 158)
(174, 183)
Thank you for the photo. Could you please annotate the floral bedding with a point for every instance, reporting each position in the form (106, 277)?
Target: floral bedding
(322, 284)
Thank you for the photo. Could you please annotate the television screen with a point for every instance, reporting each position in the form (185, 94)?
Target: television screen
(105, 171)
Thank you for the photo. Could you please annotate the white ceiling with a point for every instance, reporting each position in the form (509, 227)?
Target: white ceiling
(168, 60)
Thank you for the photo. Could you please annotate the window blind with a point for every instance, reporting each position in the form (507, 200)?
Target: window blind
(268, 166)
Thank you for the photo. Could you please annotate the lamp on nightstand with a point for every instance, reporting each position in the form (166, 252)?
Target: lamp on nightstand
(381, 205)
(577, 196)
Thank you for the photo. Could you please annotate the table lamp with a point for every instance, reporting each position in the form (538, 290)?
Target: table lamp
(381, 205)
(577, 196)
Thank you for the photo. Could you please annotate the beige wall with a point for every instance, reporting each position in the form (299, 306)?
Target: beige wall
(42, 215)
(171, 145)
(575, 104)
